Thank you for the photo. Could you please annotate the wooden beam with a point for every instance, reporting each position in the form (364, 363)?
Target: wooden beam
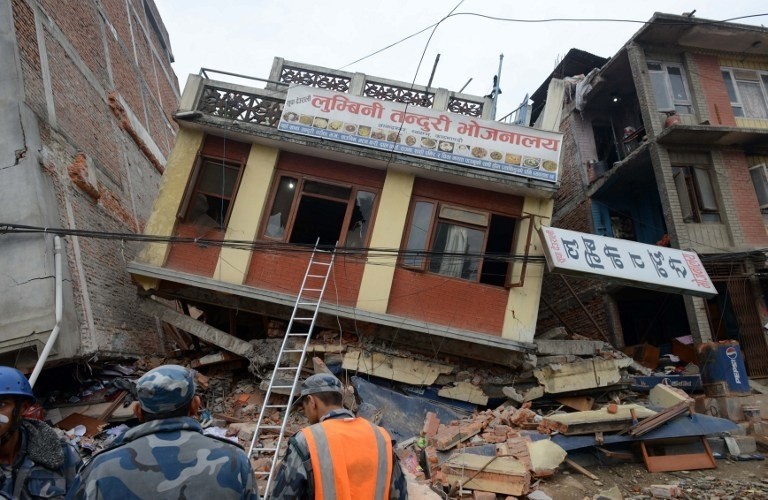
(197, 328)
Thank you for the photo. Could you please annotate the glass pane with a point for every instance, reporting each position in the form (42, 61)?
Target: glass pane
(329, 190)
(417, 235)
(678, 87)
(729, 86)
(217, 178)
(752, 99)
(706, 193)
(281, 207)
(659, 83)
(360, 220)
(456, 251)
(737, 111)
(654, 66)
(760, 181)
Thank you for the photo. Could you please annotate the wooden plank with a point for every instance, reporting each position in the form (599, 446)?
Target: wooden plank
(401, 369)
(592, 421)
(503, 475)
(580, 469)
(107, 413)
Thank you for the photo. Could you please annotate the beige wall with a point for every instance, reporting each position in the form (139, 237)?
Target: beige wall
(246, 214)
(388, 231)
(162, 220)
(523, 303)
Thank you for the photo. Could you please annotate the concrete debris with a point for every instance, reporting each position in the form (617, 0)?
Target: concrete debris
(464, 391)
(400, 369)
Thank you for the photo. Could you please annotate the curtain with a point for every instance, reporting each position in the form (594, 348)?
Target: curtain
(456, 243)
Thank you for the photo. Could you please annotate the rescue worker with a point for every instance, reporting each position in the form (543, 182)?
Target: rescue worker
(35, 461)
(339, 456)
(167, 456)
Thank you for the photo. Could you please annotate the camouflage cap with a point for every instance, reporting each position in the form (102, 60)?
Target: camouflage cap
(165, 389)
(321, 382)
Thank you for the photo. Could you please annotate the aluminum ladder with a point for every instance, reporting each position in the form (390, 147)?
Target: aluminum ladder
(295, 342)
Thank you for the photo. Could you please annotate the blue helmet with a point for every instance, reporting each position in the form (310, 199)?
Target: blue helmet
(165, 389)
(13, 382)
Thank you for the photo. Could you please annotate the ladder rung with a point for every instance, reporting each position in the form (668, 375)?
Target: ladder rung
(286, 368)
(307, 303)
(282, 387)
(265, 449)
(276, 406)
(303, 319)
(293, 350)
(321, 263)
(269, 427)
(315, 276)
(313, 290)
(297, 334)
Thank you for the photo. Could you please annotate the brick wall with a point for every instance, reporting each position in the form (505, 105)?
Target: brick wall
(745, 203)
(715, 94)
(88, 53)
(448, 301)
(283, 272)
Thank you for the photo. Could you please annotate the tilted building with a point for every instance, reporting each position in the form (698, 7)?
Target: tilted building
(432, 204)
(85, 126)
(667, 143)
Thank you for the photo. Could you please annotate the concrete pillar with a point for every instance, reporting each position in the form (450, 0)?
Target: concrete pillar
(388, 230)
(247, 213)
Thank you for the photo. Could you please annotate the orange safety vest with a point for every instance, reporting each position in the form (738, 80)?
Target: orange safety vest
(351, 459)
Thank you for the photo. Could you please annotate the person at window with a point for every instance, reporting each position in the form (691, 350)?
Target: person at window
(339, 456)
(167, 456)
(35, 462)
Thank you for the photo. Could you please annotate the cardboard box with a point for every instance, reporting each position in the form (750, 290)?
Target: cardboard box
(645, 354)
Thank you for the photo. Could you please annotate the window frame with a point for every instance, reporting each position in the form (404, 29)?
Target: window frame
(301, 180)
(694, 199)
(762, 82)
(763, 206)
(668, 87)
(424, 266)
(194, 184)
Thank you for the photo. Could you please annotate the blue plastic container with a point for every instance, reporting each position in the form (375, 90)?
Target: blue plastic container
(722, 363)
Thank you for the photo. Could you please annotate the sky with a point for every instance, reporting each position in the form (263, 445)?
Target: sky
(243, 36)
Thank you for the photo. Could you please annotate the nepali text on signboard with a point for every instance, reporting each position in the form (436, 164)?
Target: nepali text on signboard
(422, 132)
(624, 261)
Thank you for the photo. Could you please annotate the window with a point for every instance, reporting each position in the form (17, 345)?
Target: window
(759, 175)
(304, 210)
(748, 92)
(669, 87)
(696, 194)
(459, 242)
(215, 186)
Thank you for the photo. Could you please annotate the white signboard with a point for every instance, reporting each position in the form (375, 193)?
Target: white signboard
(624, 261)
(422, 132)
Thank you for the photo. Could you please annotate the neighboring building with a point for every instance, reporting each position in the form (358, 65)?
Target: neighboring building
(85, 126)
(239, 172)
(694, 181)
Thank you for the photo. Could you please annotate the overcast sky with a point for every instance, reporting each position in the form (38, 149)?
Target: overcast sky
(243, 36)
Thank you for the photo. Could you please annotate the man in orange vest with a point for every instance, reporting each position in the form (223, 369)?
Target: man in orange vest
(339, 456)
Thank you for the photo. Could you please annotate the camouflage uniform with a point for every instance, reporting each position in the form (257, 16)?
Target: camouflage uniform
(295, 480)
(45, 466)
(167, 457)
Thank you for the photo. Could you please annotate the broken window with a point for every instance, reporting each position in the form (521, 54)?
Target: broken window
(696, 193)
(759, 174)
(669, 87)
(459, 242)
(210, 202)
(747, 91)
(304, 210)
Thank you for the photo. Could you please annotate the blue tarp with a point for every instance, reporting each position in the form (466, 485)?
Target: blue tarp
(402, 415)
(684, 426)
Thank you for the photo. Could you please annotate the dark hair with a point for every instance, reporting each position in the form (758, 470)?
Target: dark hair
(329, 398)
(178, 412)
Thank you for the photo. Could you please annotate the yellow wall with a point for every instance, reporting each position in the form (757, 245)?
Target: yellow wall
(388, 230)
(523, 303)
(246, 214)
(755, 65)
(162, 220)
